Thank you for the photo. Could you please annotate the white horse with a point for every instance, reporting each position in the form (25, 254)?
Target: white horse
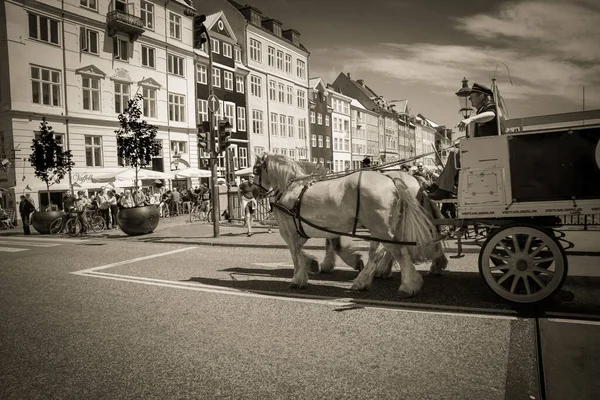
(334, 207)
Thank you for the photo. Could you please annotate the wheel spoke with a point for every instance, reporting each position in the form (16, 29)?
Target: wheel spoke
(537, 280)
(537, 251)
(543, 271)
(516, 244)
(527, 287)
(505, 277)
(510, 253)
(542, 260)
(513, 287)
(527, 244)
(499, 267)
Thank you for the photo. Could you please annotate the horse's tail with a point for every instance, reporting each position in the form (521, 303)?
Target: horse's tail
(414, 225)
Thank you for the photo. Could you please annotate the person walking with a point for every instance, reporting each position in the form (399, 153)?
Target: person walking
(26, 207)
(247, 193)
(114, 208)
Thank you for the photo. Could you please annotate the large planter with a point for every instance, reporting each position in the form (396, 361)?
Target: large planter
(41, 220)
(138, 220)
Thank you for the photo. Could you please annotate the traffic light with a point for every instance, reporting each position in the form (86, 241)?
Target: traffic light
(203, 132)
(224, 135)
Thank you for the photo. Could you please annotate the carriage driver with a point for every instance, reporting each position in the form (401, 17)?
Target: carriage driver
(485, 125)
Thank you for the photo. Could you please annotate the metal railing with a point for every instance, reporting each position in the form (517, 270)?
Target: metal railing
(116, 16)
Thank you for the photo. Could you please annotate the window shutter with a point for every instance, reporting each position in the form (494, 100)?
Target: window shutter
(83, 39)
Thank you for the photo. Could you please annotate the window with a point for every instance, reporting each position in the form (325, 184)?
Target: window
(275, 150)
(202, 110)
(272, 90)
(327, 142)
(284, 152)
(243, 157)
(147, 14)
(300, 68)
(288, 63)
(239, 84)
(88, 40)
(319, 118)
(273, 124)
(320, 140)
(91, 4)
(291, 126)
(280, 60)
(201, 74)
(255, 50)
(241, 118)
(281, 93)
(238, 55)
(302, 128)
(292, 154)
(257, 122)
(229, 113)
(44, 29)
(120, 49)
(227, 50)
(121, 96)
(301, 99)
(91, 93)
(214, 45)
(327, 120)
(149, 103)
(176, 107)
(290, 95)
(313, 140)
(271, 56)
(93, 151)
(45, 86)
(175, 65)
(312, 117)
(178, 147)
(174, 26)
(255, 84)
(148, 57)
(216, 77)
(228, 80)
(282, 125)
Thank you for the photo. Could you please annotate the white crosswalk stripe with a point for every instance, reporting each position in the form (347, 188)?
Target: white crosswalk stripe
(18, 244)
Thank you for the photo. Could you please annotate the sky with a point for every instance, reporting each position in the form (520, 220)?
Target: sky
(420, 50)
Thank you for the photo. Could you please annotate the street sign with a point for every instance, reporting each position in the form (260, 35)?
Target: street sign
(213, 103)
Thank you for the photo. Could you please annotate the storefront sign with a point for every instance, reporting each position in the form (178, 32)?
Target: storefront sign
(81, 177)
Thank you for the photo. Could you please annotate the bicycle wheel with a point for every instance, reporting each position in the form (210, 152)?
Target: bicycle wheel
(73, 227)
(56, 227)
(209, 215)
(97, 223)
(194, 215)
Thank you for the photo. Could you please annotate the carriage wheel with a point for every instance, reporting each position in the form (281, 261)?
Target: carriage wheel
(523, 264)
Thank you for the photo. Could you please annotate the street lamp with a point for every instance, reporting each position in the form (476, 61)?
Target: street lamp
(463, 99)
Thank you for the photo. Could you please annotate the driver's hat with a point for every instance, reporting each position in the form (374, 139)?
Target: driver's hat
(482, 89)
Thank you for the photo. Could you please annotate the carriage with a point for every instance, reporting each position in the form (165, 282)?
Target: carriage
(519, 187)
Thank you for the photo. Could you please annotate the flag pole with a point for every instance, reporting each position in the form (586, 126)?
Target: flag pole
(496, 100)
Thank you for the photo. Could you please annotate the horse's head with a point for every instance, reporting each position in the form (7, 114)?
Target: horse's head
(261, 175)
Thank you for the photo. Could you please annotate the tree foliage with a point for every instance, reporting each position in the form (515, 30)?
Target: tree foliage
(50, 162)
(136, 138)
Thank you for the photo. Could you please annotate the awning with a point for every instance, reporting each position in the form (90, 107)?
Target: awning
(128, 174)
(245, 171)
(191, 173)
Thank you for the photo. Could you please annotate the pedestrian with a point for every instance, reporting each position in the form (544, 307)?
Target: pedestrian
(26, 207)
(114, 208)
(247, 193)
(103, 206)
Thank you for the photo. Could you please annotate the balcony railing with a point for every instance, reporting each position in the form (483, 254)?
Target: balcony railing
(120, 21)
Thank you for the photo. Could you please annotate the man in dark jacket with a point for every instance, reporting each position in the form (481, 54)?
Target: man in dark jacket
(26, 207)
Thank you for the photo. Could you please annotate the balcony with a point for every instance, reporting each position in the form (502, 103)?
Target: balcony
(119, 21)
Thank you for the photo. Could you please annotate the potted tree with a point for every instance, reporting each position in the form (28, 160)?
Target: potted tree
(51, 163)
(136, 145)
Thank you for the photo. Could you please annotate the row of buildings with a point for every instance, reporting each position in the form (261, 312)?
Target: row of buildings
(78, 62)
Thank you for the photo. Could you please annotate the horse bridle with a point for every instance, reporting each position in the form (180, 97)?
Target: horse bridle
(257, 171)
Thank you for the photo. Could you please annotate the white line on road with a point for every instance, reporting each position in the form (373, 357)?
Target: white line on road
(26, 243)
(133, 260)
(43, 239)
(11, 249)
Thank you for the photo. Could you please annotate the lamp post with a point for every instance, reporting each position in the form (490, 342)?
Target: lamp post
(463, 99)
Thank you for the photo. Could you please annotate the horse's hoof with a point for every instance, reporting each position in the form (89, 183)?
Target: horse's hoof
(313, 267)
(295, 285)
(402, 294)
(359, 265)
(359, 286)
(325, 268)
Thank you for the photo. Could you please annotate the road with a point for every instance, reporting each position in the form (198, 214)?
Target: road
(104, 318)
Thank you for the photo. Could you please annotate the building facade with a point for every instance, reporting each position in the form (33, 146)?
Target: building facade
(341, 132)
(79, 67)
(320, 123)
(358, 130)
(229, 81)
(278, 86)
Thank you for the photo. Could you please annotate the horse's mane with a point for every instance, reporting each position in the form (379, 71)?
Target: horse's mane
(312, 168)
(282, 169)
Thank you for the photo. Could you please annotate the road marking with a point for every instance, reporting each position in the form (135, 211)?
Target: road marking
(11, 249)
(32, 244)
(44, 239)
(131, 261)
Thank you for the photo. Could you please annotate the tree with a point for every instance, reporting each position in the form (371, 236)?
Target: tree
(136, 138)
(50, 162)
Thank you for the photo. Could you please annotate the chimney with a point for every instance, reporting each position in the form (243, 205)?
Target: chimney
(348, 73)
(360, 82)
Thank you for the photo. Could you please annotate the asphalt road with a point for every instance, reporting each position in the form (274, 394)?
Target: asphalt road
(125, 319)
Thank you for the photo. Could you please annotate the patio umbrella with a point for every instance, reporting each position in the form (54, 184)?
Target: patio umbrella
(191, 173)
(128, 174)
(245, 171)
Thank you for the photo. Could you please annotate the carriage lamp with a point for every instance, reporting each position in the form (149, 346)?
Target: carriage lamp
(463, 99)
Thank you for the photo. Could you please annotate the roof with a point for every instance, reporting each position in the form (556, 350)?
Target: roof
(212, 19)
(187, 3)
(356, 103)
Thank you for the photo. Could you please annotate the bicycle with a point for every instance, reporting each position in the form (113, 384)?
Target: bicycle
(196, 213)
(73, 224)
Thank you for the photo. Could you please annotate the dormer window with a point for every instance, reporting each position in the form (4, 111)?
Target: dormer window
(256, 19)
(277, 30)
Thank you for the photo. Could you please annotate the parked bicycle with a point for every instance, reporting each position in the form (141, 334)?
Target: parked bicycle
(73, 223)
(201, 213)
